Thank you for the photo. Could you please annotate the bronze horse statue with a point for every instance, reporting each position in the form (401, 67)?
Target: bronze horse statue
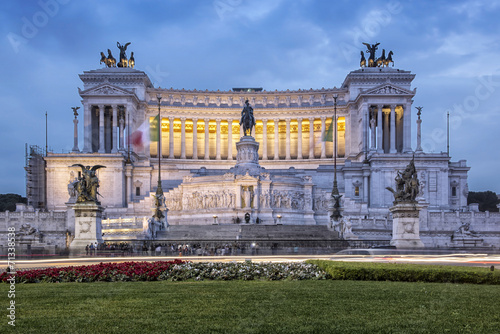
(389, 60)
(247, 119)
(381, 59)
(362, 62)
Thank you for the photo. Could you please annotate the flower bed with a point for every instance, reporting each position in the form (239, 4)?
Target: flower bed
(170, 270)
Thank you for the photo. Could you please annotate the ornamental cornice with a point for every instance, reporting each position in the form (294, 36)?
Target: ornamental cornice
(235, 113)
(229, 99)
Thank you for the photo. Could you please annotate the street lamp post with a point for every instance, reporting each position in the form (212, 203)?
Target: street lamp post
(336, 215)
(159, 197)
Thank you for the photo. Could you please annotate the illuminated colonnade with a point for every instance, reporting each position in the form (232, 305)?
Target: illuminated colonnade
(279, 139)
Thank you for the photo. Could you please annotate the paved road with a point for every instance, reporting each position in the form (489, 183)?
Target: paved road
(482, 260)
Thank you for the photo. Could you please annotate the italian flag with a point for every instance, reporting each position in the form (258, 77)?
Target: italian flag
(144, 135)
(329, 133)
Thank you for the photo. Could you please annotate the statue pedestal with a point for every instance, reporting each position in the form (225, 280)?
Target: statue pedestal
(406, 226)
(247, 158)
(88, 227)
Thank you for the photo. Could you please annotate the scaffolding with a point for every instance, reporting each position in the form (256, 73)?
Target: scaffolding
(35, 176)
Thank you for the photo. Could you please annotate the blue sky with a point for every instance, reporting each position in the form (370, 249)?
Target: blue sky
(452, 46)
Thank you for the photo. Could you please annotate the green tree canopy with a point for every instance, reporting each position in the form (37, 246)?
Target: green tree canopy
(8, 201)
(487, 200)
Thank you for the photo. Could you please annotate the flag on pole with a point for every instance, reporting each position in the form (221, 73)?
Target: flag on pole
(146, 133)
(329, 133)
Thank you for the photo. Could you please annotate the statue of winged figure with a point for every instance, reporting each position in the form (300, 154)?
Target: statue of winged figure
(87, 184)
(371, 50)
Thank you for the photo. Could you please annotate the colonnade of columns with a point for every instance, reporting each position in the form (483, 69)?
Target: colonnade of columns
(389, 130)
(208, 139)
(104, 128)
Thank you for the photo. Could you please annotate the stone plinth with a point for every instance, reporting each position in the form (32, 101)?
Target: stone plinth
(406, 226)
(247, 158)
(88, 227)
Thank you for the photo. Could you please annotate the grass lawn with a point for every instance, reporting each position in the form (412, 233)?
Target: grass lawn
(254, 307)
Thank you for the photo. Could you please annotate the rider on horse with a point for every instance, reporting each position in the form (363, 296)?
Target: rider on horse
(247, 119)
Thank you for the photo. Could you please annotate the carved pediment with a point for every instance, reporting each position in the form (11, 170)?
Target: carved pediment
(246, 177)
(105, 89)
(388, 89)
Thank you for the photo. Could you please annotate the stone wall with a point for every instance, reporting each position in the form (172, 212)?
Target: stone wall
(42, 230)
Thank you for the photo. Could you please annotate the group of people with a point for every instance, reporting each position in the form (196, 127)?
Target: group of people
(121, 247)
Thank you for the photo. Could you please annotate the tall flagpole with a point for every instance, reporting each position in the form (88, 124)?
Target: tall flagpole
(448, 133)
(46, 135)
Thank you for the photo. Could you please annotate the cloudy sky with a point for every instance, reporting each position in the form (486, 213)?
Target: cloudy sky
(452, 46)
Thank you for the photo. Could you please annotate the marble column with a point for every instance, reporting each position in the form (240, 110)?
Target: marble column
(183, 137)
(75, 136)
(127, 123)
(299, 139)
(393, 130)
(311, 138)
(264, 139)
(365, 121)
(87, 128)
(407, 128)
(380, 148)
(373, 131)
(386, 132)
(217, 139)
(114, 140)
(288, 157)
(171, 138)
(419, 134)
(101, 129)
(276, 139)
(229, 139)
(323, 146)
(128, 183)
(121, 126)
(195, 138)
(207, 139)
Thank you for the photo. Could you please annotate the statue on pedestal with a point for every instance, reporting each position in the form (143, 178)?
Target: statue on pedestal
(407, 185)
(247, 119)
(87, 184)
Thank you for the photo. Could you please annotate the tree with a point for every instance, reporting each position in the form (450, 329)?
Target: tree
(8, 201)
(487, 200)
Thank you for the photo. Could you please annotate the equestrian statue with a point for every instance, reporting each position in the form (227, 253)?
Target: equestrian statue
(247, 119)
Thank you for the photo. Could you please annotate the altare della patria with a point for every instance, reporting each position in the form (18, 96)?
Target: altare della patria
(317, 169)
